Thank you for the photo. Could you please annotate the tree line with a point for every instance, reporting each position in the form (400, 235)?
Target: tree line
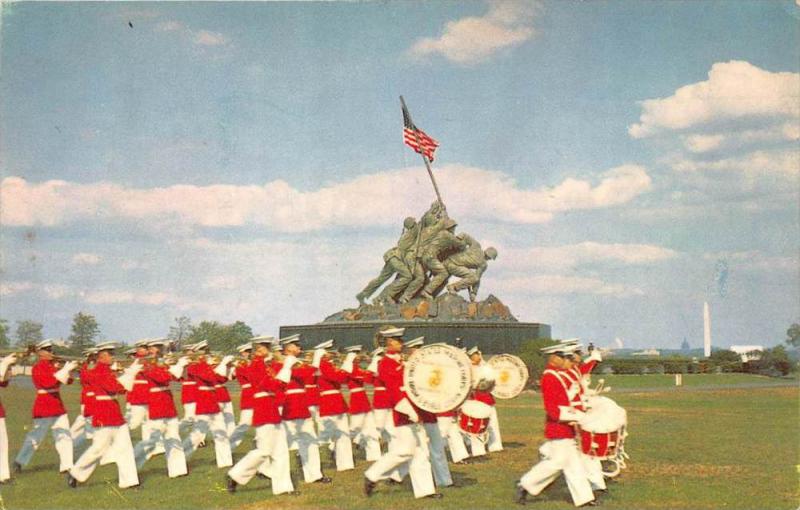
(85, 332)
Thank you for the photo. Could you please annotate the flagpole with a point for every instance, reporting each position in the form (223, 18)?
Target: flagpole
(422, 153)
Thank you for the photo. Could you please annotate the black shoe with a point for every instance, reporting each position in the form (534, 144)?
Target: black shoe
(391, 481)
(435, 495)
(590, 503)
(369, 486)
(17, 467)
(324, 479)
(231, 485)
(71, 481)
(520, 495)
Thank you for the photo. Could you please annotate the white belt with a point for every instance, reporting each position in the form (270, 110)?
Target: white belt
(139, 381)
(103, 397)
(89, 393)
(217, 386)
(156, 389)
(45, 392)
(188, 383)
(246, 385)
(379, 388)
(328, 392)
(311, 385)
(295, 391)
(261, 394)
(356, 390)
(205, 388)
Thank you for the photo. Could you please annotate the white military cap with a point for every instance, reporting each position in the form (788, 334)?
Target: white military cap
(129, 352)
(473, 350)
(106, 346)
(353, 348)
(416, 342)
(393, 332)
(157, 342)
(200, 345)
(89, 351)
(44, 344)
(327, 344)
(276, 346)
(262, 339)
(144, 342)
(292, 339)
(245, 347)
(377, 352)
(188, 347)
(567, 347)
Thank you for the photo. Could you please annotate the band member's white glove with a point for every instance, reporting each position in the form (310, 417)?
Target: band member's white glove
(63, 375)
(567, 413)
(373, 365)
(595, 355)
(285, 373)
(317, 359)
(134, 367)
(5, 363)
(347, 364)
(183, 361)
(127, 380)
(222, 369)
(177, 370)
(405, 407)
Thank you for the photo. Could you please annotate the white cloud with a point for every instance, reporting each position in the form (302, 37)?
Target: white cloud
(474, 39)
(564, 285)
(86, 259)
(703, 143)
(170, 26)
(208, 38)
(197, 37)
(11, 288)
(734, 90)
(587, 252)
(785, 163)
(757, 261)
(470, 193)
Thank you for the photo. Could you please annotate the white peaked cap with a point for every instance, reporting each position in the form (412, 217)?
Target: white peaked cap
(327, 344)
(245, 347)
(262, 339)
(393, 333)
(292, 339)
(200, 345)
(561, 347)
(473, 350)
(353, 348)
(416, 342)
(44, 344)
(158, 342)
(144, 342)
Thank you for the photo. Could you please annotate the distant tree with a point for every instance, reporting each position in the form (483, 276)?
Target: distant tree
(4, 340)
(84, 330)
(221, 337)
(773, 362)
(180, 331)
(533, 358)
(793, 335)
(238, 334)
(724, 355)
(28, 332)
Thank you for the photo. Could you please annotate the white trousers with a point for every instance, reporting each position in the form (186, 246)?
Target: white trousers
(5, 473)
(438, 457)
(383, 420)
(495, 442)
(302, 432)
(105, 438)
(337, 430)
(594, 471)
(559, 455)
(163, 431)
(270, 457)
(228, 416)
(406, 448)
(136, 416)
(215, 423)
(188, 414)
(364, 433)
(451, 432)
(59, 427)
(245, 421)
(81, 430)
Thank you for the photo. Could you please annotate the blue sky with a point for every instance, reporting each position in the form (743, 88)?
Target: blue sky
(244, 161)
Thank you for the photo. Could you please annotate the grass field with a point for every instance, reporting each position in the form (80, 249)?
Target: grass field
(717, 448)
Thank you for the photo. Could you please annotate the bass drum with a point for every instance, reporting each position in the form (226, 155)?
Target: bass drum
(438, 377)
(511, 375)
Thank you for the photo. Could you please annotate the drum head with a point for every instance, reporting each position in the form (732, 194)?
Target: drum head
(511, 375)
(438, 377)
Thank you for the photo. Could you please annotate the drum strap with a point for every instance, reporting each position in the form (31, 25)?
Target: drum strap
(566, 383)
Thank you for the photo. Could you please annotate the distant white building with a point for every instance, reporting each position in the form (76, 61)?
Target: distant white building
(647, 352)
(748, 352)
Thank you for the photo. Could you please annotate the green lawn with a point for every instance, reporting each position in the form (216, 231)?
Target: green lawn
(721, 448)
(689, 380)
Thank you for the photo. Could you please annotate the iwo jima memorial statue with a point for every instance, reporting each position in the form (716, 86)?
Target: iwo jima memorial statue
(432, 264)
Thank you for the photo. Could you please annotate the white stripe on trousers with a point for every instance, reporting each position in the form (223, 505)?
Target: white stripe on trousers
(163, 431)
(559, 455)
(59, 427)
(104, 439)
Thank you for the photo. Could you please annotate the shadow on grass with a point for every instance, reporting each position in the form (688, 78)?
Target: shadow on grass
(461, 480)
(513, 444)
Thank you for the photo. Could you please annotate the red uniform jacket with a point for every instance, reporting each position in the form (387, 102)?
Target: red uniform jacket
(555, 384)
(330, 379)
(48, 399)
(188, 390)
(265, 403)
(359, 403)
(202, 373)
(295, 406)
(390, 371)
(380, 397)
(87, 391)
(243, 378)
(222, 391)
(106, 411)
(312, 392)
(160, 403)
(140, 394)
(3, 384)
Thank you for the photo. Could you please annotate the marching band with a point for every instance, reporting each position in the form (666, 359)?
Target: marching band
(279, 388)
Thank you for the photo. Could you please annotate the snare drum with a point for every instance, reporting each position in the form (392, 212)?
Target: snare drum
(602, 429)
(602, 445)
(473, 418)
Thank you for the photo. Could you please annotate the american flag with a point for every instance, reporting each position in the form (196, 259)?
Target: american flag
(416, 138)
